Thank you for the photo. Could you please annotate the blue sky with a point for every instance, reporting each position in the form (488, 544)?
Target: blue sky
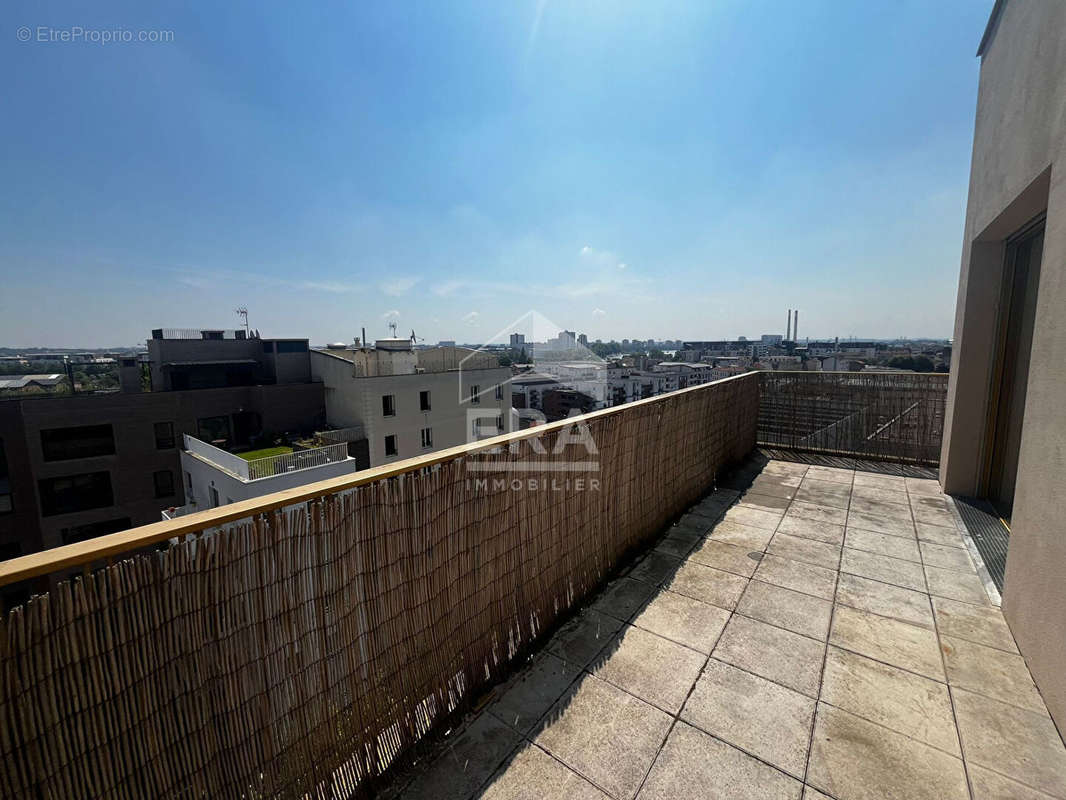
(660, 169)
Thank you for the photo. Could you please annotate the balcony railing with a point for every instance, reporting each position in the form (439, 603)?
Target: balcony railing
(323, 630)
(888, 416)
(270, 466)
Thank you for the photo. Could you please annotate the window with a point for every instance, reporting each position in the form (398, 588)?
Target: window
(388, 405)
(75, 493)
(423, 401)
(499, 392)
(6, 504)
(84, 441)
(214, 497)
(292, 347)
(164, 483)
(213, 429)
(475, 394)
(164, 436)
(427, 437)
(499, 423)
(390, 446)
(79, 533)
(475, 428)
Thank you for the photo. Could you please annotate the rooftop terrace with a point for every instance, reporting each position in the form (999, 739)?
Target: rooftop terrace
(642, 620)
(810, 632)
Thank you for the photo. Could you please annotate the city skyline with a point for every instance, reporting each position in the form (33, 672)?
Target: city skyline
(686, 171)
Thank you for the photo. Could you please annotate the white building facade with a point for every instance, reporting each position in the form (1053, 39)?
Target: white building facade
(411, 402)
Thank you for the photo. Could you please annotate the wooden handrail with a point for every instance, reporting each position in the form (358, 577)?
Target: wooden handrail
(114, 544)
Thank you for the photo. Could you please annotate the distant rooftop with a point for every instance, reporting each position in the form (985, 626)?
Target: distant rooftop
(22, 381)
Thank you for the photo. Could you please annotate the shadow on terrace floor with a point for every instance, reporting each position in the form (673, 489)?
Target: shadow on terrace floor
(803, 631)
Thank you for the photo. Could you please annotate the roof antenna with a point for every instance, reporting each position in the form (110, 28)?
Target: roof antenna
(392, 329)
(242, 312)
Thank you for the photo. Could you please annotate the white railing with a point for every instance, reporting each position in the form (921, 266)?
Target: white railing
(352, 434)
(270, 466)
(296, 460)
(217, 456)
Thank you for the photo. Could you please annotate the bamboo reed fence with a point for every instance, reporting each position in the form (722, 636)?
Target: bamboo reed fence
(299, 651)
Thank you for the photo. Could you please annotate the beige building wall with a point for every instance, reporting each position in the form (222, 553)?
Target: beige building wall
(356, 401)
(1019, 171)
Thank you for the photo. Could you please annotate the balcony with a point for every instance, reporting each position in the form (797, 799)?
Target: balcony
(271, 466)
(668, 612)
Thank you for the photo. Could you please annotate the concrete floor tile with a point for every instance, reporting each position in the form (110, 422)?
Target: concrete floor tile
(467, 762)
(810, 529)
(764, 502)
(1021, 744)
(741, 535)
(933, 510)
(883, 544)
(767, 519)
(820, 554)
(824, 493)
(883, 568)
(831, 474)
(858, 760)
(991, 672)
(710, 585)
(697, 766)
(881, 508)
(583, 637)
(525, 697)
(623, 597)
(987, 785)
(774, 653)
(532, 774)
(946, 557)
(651, 667)
(893, 483)
(775, 484)
(729, 557)
(683, 620)
(817, 513)
(760, 717)
(779, 467)
(907, 703)
(980, 624)
(896, 495)
(786, 608)
(895, 523)
(814, 794)
(897, 643)
(796, 575)
(678, 542)
(655, 567)
(604, 734)
(963, 586)
(890, 601)
(697, 522)
(923, 486)
(938, 534)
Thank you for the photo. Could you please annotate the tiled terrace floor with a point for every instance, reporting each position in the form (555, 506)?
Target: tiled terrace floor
(823, 634)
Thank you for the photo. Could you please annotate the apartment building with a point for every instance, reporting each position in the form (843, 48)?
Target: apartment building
(1006, 419)
(75, 467)
(409, 401)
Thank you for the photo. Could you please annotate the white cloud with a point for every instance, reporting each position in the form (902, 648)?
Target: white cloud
(394, 314)
(599, 312)
(397, 286)
(471, 319)
(447, 288)
(621, 265)
(586, 250)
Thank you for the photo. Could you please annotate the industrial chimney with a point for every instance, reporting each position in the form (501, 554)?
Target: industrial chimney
(796, 326)
(788, 328)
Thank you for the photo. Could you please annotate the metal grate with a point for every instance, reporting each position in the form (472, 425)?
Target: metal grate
(989, 534)
(891, 416)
